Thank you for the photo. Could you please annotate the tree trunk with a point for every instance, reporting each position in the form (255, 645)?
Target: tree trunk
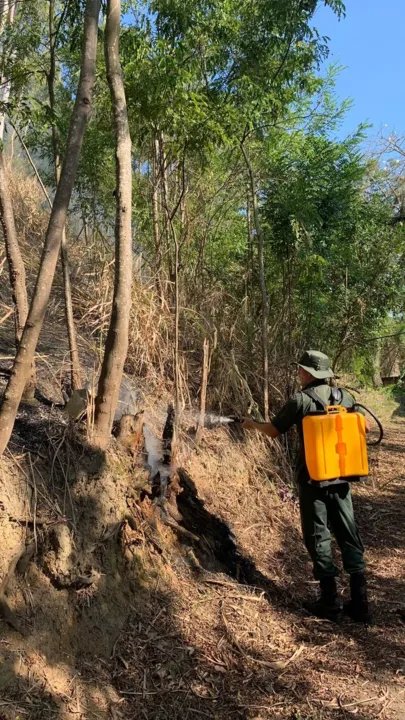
(263, 287)
(32, 329)
(75, 368)
(14, 257)
(177, 375)
(165, 203)
(249, 276)
(155, 215)
(16, 267)
(7, 12)
(76, 375)
(377, 379)
(204, 384)
(117, 338)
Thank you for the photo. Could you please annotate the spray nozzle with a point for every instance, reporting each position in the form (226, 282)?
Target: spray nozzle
(236, 419)
(212, 421)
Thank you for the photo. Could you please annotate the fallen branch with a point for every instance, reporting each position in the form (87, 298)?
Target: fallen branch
(358, 702)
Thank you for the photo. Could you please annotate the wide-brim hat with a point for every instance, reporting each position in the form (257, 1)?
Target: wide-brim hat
(317, 364)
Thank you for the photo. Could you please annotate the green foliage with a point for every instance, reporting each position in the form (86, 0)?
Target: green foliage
(202, 77)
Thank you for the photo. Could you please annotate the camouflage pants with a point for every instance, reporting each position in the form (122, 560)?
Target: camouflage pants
(324, 510)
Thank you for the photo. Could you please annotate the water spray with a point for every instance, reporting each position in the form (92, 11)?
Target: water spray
(212, 420)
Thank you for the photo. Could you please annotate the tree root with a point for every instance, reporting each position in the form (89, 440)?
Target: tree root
(25, 558)
(175, 526)
(69, 581)
(5, 611)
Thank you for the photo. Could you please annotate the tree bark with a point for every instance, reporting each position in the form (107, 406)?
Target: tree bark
(177, 375)
(165, 203)
(76, 373)
(75, 368)
(204, 384)
(32, 329)
(263, 287)
(249, 276)
(7, 12)
(14, 257)
(155, 215)
(377, 379)
(117, 338)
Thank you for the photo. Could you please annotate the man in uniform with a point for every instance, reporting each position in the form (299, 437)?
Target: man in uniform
(323, 505)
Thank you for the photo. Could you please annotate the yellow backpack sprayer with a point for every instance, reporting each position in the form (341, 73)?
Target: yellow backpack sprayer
(335, 439)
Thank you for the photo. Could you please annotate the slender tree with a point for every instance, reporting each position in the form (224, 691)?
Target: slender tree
(75, 369)
(263, 285)
(53, 239)
(7, 13)
(155, 213)
(13, 252)
(14, 257)
(117, 338)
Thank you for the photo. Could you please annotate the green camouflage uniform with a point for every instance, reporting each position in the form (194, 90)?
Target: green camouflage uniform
(324, 506)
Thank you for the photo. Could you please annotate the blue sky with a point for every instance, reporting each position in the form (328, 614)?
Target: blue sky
(369, 43)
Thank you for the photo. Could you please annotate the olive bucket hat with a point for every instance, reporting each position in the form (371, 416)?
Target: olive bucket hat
(317, 364)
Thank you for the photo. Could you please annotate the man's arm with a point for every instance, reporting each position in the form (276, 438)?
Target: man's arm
(285, 418)
(266, 428)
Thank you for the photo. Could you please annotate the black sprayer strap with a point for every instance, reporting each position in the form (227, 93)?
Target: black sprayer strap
(335, 397)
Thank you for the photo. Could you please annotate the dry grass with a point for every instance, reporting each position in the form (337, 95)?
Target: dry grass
(235, 376)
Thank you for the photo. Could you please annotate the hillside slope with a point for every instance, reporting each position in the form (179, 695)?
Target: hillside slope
(124, 617)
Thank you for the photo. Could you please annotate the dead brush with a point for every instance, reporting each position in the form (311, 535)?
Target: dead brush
(31, 217)
(234, 382)
(151, 336)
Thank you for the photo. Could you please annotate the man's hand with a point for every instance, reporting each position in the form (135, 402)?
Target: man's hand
(264, 428)
(248, 424)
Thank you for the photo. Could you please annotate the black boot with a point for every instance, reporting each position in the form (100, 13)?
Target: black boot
(328, 605)
(357, 608)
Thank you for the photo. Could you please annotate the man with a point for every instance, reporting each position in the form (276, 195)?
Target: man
(323, 504)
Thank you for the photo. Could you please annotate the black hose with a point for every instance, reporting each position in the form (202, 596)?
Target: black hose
(380, 427)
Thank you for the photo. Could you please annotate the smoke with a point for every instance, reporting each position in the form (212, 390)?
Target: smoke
(154, 450)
